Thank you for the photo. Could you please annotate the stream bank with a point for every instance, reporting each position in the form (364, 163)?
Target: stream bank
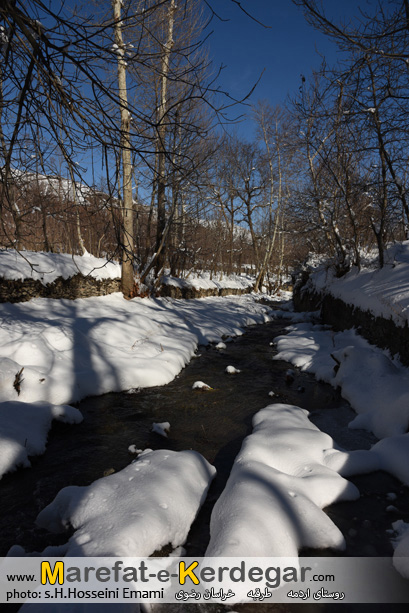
(383, 333)
(213, 423)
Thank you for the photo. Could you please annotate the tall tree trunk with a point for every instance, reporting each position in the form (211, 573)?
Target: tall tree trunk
(161, 183)
(380, 226)
(127, 278)
(76, 207)
(273, 219)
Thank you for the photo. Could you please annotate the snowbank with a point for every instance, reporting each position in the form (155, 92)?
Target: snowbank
(160, 494)
(46, 267)
(72, 349)
(280, 481)
(384, 292)
(401, 545)
(202, 280)
(376, 387)
(24, 428)
(378, 390)
(393, 455)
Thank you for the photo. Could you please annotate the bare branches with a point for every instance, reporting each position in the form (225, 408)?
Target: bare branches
(135, 92)
(209, 4)
(356, 135)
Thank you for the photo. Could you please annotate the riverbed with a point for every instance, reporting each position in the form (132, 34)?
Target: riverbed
(213, 423)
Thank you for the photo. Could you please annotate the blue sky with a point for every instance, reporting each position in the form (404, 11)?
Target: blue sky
(286, 49)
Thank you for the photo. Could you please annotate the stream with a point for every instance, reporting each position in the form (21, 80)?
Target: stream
(213, 423)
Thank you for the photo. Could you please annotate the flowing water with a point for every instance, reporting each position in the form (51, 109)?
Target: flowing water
(213, 423)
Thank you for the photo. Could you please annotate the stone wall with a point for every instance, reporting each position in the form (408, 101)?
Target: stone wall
(303, 298)
(188, 292)
(77, 286)
(341, 316)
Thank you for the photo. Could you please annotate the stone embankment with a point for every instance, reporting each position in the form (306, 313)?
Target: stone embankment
(194, 292)
(80, 286)
(341, 316)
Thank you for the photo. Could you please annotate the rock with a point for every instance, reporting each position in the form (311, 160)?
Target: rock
(231, 370)
(199, 385)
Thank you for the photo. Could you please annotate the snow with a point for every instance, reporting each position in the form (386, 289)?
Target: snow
(367, 377)
(24, 428)
(134, 449)
(160, 493)
(280, 481)
(203, 280)
(377, 389)
(401, 545)
(232, 370)
(55, 186)
(73, 349)
(287, 470)
(384, 292)
(162, 429)
(200, 385)
(393, 454)
(46, 267)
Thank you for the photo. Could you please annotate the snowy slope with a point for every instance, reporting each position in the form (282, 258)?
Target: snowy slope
(72, 349)
(375, 386)
(52, 185)
(384, 292)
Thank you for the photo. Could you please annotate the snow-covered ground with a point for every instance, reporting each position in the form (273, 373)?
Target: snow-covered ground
(286, 472)
(376, 387)
(384, 292)
(203, 280)
(46, 267)
(60, 351)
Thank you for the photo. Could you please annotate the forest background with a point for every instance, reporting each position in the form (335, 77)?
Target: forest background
(170, 182)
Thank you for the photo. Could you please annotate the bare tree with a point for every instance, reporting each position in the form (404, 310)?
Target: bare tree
(74, 82)
(127, 200)
(376, 97)
(275, 133)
